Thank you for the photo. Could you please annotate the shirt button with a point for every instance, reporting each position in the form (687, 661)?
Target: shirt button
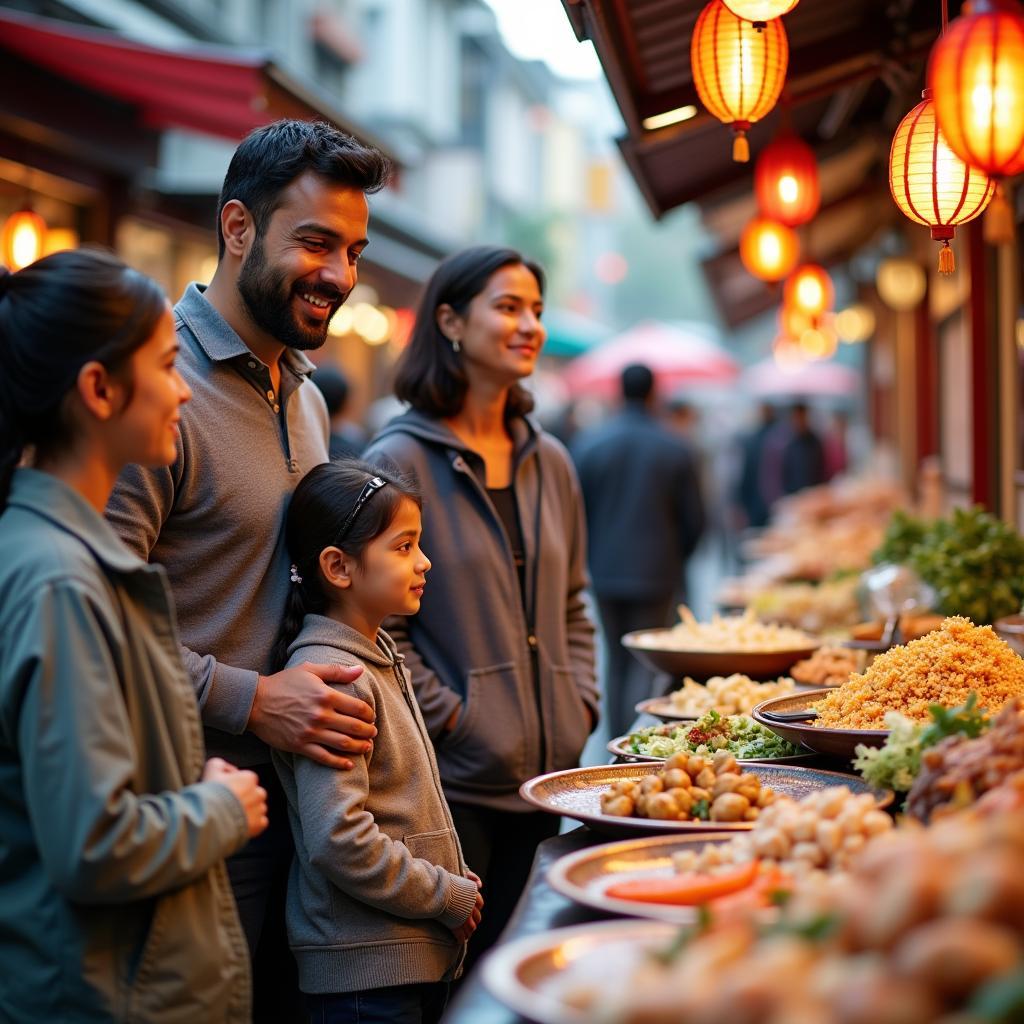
(252, 365)
(277, 408)
(270, 395)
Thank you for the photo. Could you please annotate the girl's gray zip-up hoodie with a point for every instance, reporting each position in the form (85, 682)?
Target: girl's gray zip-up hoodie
(473, 643)
(378, 877)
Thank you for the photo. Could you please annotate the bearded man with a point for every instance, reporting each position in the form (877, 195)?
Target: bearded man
(291, 224)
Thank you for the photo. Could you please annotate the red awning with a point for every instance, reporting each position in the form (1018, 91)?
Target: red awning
(206, 89)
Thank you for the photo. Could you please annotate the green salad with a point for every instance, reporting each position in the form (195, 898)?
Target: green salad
(739, 735)
(897, 764)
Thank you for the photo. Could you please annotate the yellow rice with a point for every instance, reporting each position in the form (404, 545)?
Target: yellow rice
(940, 668)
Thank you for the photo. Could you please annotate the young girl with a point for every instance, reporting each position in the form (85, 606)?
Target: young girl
(380, 901)
(114, 899)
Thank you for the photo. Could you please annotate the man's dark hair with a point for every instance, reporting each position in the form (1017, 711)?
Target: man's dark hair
(637, 383)
(270, 158)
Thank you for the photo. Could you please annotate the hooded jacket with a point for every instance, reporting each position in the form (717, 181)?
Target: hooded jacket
(114, 898)
(378, 879)
(522, 677)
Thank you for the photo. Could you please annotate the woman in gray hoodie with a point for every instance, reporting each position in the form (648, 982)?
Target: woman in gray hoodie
(502, 650)
(380, 901)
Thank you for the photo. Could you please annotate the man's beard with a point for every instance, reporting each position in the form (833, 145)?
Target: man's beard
(268, 300)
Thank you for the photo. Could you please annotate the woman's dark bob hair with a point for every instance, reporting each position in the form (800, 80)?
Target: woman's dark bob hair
(430, 375)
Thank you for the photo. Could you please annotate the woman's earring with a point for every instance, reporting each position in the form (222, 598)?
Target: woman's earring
(455, 345)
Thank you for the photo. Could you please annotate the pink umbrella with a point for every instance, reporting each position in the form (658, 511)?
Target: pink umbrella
(767, 379)
(675, 355)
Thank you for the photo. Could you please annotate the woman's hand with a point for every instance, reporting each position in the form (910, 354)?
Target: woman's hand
(247, 789)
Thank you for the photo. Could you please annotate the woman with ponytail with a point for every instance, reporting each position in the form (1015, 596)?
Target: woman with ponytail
(114, 900)
(380, 901)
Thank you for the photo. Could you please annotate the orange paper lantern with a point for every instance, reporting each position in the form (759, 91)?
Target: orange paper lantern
(760, 11)
(21, 240)
(976, 74)
(739, 70)
(769, 250)
(809, 290)
(786, 181)
(930, 183)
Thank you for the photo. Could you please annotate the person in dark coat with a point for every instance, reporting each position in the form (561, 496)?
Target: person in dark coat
(749, 492)
(803, 455)
(644, 518)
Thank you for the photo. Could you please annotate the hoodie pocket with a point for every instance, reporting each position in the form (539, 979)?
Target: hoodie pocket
(437, 848)
(486, 751)
(571, 727)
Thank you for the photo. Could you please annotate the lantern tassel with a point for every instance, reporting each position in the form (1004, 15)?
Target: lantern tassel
(740, 148)
(999, 219)
(947, 261)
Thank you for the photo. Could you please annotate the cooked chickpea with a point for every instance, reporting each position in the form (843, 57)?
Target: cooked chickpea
(651, 784)
(676, 778)
(727, 782)
(729, 807)
(663, 807)
(706, 778)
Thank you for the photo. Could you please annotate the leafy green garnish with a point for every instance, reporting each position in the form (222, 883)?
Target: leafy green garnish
(701, 809)
(967, 719)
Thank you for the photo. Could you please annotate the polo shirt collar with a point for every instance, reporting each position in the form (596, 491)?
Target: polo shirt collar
(217, 338)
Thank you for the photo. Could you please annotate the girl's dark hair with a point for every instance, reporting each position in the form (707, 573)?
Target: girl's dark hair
(270, 158)
(319, 510)
(430, 375)
(56, 315)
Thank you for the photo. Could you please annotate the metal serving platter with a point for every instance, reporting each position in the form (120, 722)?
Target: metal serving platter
(576, 793)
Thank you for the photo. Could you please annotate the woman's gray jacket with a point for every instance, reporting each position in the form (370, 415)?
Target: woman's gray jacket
(523, 678)
(114, 899)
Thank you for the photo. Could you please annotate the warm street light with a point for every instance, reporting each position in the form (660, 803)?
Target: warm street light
(768, 250)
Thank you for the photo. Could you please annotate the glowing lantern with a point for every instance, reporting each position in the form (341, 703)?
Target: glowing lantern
(739, 69)
(786, 181)
(901, 283)
(930, 183)
(769, 250)
(809, 290)
(855, 324)
(760, 11)
(818, 342)
(21, 241)
(976, 74)
(793, 322)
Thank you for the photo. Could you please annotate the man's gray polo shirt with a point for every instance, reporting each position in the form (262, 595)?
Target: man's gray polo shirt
(215, 518)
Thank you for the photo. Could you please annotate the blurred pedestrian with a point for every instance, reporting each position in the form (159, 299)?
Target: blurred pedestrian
(114, 902)
(502, 650)
(645, 516)
(347, 439)
(803, 455)
(750, 491)
(292, 223)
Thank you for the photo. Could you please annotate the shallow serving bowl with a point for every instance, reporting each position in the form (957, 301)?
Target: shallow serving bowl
(576, 793)
(620, 748)
(835, 742)
(702, 665)
(584, 876)
(529, 975)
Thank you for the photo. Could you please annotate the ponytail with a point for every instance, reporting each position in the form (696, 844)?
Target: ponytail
(304, 598)
(56, 315)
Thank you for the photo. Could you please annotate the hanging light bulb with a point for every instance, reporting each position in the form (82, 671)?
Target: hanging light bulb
(768, 250)
(21, 241)
(976, 74)
(739, 70)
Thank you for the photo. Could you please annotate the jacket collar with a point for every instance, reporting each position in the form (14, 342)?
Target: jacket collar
(52, 499)
(217, 338)
(320, 631)
(524, 430)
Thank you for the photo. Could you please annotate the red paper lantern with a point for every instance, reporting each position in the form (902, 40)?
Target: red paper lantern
(769, 250)
(760, 11)
(809, 290)
(976, 74)
(738, 69)
(786, 181)
(930, 183)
